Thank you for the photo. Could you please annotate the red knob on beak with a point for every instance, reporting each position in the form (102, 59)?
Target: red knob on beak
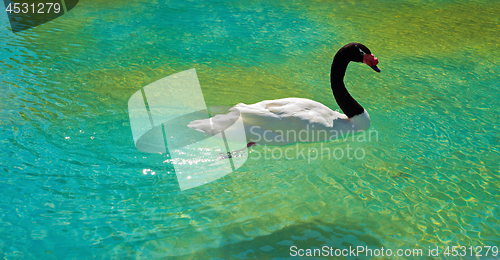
(371, 61)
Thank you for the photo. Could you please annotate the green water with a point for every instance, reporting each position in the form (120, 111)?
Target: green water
(72, 181)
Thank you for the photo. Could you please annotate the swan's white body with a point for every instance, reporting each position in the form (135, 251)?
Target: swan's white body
(287, 120)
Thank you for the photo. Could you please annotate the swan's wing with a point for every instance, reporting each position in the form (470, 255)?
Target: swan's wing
(216, 124)
(273, 115)
(289, 114)
(273, 119)
(290, 117)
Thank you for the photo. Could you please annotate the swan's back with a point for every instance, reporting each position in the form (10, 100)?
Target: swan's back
(282, 121)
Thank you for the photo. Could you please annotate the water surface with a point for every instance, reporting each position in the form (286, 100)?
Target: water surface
(72, 181)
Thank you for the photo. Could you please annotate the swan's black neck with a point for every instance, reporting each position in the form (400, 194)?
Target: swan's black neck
(346, 102)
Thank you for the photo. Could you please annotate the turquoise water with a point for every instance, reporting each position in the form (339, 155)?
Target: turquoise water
(72, 181)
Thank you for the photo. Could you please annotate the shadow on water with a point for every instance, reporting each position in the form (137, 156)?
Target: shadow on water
(28, 14)
(303, 235)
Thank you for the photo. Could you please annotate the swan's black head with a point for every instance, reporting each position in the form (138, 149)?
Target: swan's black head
(360, 53)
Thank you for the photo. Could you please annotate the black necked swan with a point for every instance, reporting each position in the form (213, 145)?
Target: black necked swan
(289, 120)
